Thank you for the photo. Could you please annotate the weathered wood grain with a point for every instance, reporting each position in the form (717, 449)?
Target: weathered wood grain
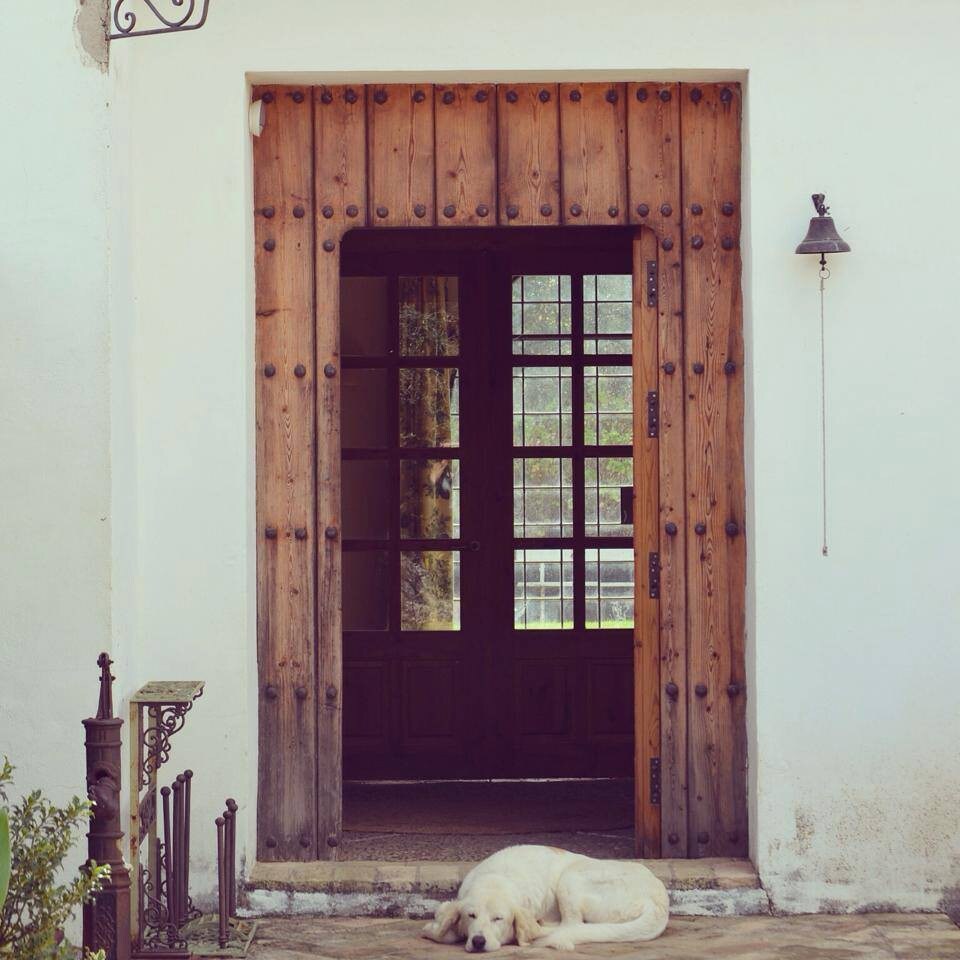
(613, 150)
(400, 155)
(710, 120)
(653, 176)
(593, 156)
(528, 142)
(339, 173)
(646, 541)
(340, 161)
(283, 196)
(465, 124)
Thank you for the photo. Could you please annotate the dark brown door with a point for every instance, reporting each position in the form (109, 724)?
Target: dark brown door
(487, 466)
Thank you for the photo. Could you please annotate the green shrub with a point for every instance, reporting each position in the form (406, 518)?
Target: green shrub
(4, 855)
(41, 834)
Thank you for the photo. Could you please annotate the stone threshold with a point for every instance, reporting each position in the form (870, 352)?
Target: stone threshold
(708, 886)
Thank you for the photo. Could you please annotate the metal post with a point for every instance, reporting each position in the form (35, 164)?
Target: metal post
(167, 858)
(222, 883)
(231, 856)
(187, 777)
(106, 916)
(176, 899)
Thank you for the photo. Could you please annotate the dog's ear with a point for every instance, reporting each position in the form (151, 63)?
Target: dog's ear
(526, 927)
(443, 928)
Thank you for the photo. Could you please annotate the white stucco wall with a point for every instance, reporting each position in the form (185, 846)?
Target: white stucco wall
(55, 523)
(853, 658)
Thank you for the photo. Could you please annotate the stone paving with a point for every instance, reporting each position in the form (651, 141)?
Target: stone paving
(848, 937)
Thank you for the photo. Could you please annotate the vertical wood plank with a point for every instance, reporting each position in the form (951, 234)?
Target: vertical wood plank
(283, 195)
(465, 125)
(646, 483)
(653, 177)
(340, 157)
(593, 155)
(400, 155)
(710, 121)
(340, 177)
(528, 143)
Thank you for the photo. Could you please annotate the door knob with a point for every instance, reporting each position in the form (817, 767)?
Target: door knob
(474, 545)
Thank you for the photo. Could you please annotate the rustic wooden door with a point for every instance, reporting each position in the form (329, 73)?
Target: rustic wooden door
(661, 158)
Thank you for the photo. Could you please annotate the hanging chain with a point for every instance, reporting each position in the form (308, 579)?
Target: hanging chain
(824, 275)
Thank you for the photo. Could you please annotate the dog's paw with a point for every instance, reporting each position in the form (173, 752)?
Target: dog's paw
(431, 930)
(556, 942)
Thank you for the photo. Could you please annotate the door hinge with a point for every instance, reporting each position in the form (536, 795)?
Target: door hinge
(655, 780)
(653, 414)
(653, 575)
(651, 283)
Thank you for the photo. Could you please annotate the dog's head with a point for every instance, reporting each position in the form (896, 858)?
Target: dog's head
(487, 922)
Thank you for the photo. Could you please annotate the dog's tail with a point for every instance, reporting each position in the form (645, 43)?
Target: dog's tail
(648, 926)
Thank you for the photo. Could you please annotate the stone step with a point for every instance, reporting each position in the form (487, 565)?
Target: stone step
(362, 888)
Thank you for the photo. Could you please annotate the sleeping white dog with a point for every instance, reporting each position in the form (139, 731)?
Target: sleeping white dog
(552, 897)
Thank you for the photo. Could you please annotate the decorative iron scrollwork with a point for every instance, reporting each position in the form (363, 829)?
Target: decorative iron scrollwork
(164, 721)
(158, 932)
(172, 16)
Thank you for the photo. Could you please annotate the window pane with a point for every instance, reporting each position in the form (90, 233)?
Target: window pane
(608, 405)
(541, 314)
(608, 313)
(542, 406)
(543, 589)
(604, 478)
(429, 407)
(364, 499)
(363, 418)
(542, 497)
(364, 330)
(429, 317)
(609, 588)
(365, 586)
(430, 590)
(429, 499)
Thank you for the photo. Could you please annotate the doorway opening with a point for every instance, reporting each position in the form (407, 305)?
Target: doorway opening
(487, 532)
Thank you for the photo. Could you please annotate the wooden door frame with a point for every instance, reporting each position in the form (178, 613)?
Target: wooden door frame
(332, 158)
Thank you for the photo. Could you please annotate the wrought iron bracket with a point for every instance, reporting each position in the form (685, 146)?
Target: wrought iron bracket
(158, 710)
(160, 16)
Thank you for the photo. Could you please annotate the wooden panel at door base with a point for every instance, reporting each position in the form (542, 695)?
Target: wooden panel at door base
(710, 120)
(285, 377)
(653, 177)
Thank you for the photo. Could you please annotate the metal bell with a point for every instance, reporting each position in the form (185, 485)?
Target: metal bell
(822, 237)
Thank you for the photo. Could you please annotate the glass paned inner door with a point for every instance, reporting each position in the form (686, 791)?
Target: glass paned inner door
(487, 554)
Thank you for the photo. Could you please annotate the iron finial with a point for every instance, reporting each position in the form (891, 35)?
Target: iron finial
(105, 706)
